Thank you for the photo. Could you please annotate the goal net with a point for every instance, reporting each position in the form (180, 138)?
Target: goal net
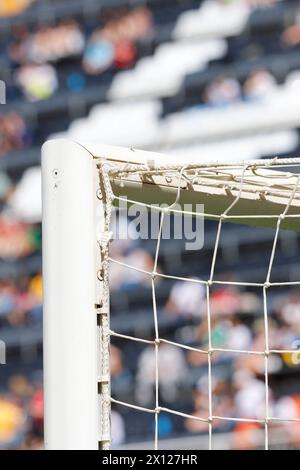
(82, 185)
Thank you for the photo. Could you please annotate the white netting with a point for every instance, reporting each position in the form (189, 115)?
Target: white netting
(235, 180)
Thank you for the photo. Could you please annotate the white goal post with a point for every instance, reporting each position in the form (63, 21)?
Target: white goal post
(80, 182)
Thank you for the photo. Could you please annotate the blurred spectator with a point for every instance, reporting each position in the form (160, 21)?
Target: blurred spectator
(170, 377)
(12, 423)
(225, 301)
(117, 429)
(238, 335)
(76, 81)
(13, 7)
(38, 82)
(24, 302)
(259, 84)
(288, 407)
(222, 404)
(247, 436)
(36, 411)
(18, 299)
(226, 333)
(17, 47)
(187, 299)
(20, 387)
(25, 201)
(222, 91)
(121, 376)
(7, 297)
(5, 187)
(13, 133)
(129, 279)
(99, 54)
(115, 43)
(250, 395)
(36, 287)
(112, 44)
(17, 239)
(125, 54)
(200, 401)
(52, 43)
(21, 414)
(138, 23)
(47, 43)
(290, 310)
(291, 35)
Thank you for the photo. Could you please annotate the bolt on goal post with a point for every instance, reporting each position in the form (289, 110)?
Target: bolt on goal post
(80, 184)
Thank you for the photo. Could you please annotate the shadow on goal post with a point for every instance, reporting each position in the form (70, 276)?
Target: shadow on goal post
(80, 185)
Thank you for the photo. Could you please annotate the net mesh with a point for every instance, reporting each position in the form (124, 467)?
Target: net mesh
(234, 179)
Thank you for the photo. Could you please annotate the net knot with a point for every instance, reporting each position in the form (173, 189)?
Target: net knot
(267, 284)
(106, 237)
(157, 410)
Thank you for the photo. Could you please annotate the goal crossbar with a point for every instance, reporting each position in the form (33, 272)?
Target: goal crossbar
(266, 184)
